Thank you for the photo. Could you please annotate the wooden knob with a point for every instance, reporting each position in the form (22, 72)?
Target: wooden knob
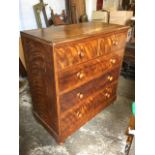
(80, 75)
(109, 89)
(110, 78)
(80, 95)
(78, 114)
(81, 54)
(113, 61)
(98, 60)
(107, 95)
(115, 42)
(91, 99)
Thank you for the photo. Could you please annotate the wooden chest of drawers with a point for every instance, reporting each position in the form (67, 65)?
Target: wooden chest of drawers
(73, 72)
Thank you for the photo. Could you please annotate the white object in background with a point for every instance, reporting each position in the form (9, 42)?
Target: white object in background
(116, 17)
(99, 16)
(120, 17)
(133, 18)
(90, 7)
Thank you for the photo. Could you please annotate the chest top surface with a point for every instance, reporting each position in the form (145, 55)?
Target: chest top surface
(57, 34)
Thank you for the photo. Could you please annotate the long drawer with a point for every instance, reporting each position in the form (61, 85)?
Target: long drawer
(78, 95)
(76, 52)
(88, 109)
(73, 77)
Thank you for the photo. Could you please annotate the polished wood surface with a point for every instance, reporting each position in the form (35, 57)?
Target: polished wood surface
(82, 73)
(87, 90)
(83, 112)
(59, 34)
(41, 79)
(73, 72)
(75, 52)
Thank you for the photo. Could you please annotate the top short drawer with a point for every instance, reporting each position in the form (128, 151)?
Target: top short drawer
(75, 52)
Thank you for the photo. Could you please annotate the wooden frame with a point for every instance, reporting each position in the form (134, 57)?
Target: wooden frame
(38, 9)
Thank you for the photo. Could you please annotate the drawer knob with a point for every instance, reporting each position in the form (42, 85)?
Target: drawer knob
(78, 114)
(113, 61)
(110, 78)
(80, 75)
(98, 60)
(115, 42)
(81, 54)
(80, 95)
(107, 95)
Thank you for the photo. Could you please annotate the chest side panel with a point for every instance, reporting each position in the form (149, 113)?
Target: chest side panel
(40, 67)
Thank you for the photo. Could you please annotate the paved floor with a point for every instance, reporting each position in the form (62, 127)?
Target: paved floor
(103, 135)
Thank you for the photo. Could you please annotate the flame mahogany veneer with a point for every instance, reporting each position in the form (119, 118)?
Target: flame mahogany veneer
(73, 72)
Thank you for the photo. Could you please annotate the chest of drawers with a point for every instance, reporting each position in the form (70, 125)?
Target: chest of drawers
(73, 72)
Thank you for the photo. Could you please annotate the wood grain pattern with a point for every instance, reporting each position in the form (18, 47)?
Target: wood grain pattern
(77, 52)
(88, 109)
(87, 90)
(73, 72)
(82, 73)
(67, 33)
(41, 80)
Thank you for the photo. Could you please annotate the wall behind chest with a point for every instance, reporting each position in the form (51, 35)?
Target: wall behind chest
(27, 17)
(26, 13)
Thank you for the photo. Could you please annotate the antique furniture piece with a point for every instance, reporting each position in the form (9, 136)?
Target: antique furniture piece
(22, 71)
(22, 65)
(73, 72)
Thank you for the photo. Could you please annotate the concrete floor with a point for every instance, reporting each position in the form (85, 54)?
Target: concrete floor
(103, 135)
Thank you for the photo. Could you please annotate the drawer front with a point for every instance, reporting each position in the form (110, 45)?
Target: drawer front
(76, 96)
(80, 51)
(112, 43)
(77, 116)
(73, 77)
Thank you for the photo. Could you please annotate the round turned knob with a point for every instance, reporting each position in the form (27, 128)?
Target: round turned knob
(110, 78)
(98, 60)
(78, 114)
(115, 42)
(113, 61)
(81, 54)
(80, 95)
(107, 95)
(80, 75)
(91, 99)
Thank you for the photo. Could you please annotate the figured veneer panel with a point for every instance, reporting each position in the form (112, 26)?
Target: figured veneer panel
(83, 112)
(73, 72)
(82, 73)
(41, 80)
(80, 51)
(75, 96)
